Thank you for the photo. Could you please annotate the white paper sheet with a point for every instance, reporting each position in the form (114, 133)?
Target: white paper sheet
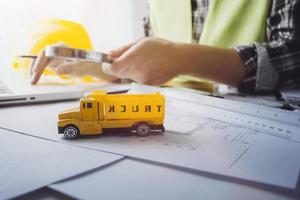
(192, 141)
(28, 163)
(132, 180)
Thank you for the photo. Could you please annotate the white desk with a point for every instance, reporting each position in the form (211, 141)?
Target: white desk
(128, 178)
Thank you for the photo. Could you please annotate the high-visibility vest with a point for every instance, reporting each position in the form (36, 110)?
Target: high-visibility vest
(228, 22)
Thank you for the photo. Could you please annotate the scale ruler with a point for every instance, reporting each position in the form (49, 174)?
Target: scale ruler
(276, 122)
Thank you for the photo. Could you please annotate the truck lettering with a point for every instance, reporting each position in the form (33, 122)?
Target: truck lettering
(135, 108)
(147, 108)
(123, 108)
(158, 108)
(111, 108)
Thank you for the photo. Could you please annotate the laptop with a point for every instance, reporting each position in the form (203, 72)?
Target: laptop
(15, 90)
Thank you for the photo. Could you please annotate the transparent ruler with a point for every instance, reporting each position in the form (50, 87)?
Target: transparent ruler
(277, 122)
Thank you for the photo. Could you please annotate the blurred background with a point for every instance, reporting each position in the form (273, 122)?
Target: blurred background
(110, 23)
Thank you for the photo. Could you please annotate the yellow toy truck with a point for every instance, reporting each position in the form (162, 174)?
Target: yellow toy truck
(100, 113)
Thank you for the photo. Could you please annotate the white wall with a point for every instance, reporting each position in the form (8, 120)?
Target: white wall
(110, 23)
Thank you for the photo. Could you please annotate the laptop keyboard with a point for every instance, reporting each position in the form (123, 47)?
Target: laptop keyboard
(4, 89)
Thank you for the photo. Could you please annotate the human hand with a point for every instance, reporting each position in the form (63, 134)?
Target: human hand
(63, 66)
(150, 61)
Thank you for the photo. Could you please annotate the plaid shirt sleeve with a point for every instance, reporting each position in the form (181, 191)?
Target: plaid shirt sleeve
(274, 65)
(147, 25)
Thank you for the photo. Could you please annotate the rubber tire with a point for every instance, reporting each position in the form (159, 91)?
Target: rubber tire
(71, 132)
(143, 130)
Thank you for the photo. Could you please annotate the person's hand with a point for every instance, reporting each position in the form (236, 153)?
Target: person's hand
(63, 66)
(150, 61)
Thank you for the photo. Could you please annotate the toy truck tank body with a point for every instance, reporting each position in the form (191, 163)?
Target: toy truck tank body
(101, 113)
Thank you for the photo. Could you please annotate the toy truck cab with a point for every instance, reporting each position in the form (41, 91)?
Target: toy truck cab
(73, 121)
(100, 113)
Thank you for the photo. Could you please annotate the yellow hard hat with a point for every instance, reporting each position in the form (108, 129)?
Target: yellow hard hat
(48, 32)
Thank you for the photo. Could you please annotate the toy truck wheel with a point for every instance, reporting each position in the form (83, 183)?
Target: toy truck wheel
(143, 130)
(71, 132)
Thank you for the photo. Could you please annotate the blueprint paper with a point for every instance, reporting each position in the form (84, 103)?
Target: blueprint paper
(132, 180)
(191, 140)
(213, 146)
(28, 163)
(39, 119)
